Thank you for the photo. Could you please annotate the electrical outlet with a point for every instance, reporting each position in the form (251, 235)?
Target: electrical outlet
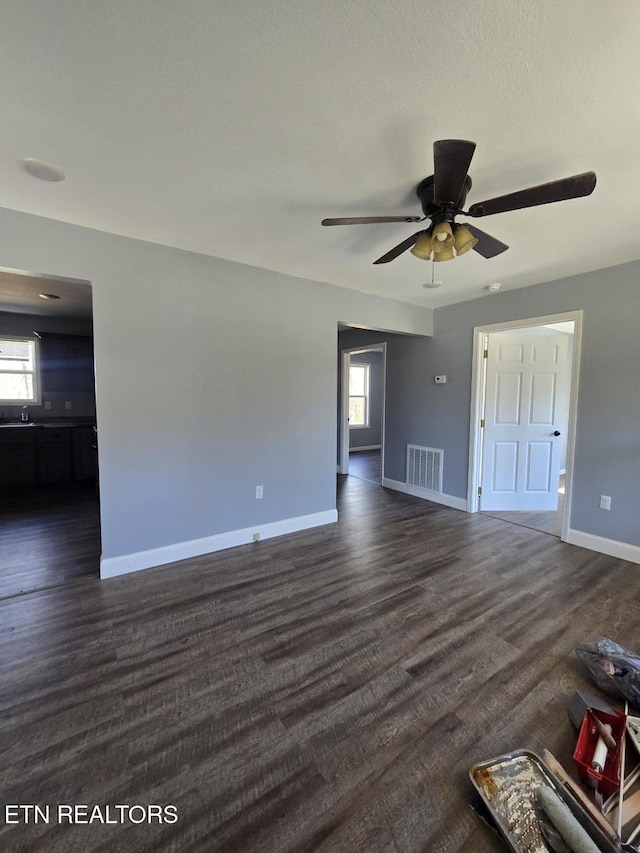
(256, 537)
(259, 492)
(67, 404)
(605, 502)
(47, 405)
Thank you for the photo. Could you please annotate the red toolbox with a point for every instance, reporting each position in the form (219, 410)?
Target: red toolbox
(608, 781)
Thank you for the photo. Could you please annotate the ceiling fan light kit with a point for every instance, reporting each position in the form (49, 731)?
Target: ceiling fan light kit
(440, 240)
(442, 197)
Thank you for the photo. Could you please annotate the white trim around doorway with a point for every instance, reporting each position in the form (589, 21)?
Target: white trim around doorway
(343, 460)
(477, 404)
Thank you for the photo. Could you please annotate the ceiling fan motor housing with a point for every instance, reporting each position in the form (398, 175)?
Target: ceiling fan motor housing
(438, 212)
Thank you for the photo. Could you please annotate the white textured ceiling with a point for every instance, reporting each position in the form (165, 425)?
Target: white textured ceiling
(233, 127)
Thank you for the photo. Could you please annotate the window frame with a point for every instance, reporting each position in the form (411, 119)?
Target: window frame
(36, 399)
(366, 396)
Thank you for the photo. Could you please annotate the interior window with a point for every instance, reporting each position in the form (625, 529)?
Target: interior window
(359, 395)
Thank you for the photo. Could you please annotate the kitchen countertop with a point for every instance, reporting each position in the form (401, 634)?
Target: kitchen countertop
(49, 424)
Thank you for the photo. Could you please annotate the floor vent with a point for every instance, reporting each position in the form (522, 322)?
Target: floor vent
(424, 467)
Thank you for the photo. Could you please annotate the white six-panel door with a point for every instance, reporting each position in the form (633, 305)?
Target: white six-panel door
(526, 378)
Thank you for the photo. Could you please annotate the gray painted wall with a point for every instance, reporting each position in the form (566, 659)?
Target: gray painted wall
(211, 378)
(250, 399)
(371, 436)
(608, 434)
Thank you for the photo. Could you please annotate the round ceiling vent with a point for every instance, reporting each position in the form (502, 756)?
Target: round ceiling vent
(43, 171)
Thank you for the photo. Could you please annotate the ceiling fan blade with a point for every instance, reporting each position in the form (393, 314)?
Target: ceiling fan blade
(399, 249)
(451, 161)
(367, 220)
(573, 187)
(487, 246)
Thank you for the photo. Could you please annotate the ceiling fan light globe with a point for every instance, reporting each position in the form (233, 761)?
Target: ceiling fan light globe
(442, 237)
(445, 255)
(423, 247)
(443, 246)
(463, 240)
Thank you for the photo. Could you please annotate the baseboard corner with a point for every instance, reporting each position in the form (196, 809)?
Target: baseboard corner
(610, 547)
(426, 494)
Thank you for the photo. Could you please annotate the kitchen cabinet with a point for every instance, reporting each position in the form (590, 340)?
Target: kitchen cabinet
(54, 454)
(84, 453)
(66, 363)
(42, 455)
(17, 457)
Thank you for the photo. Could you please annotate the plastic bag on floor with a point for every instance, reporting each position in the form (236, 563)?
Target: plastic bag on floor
(614, 669)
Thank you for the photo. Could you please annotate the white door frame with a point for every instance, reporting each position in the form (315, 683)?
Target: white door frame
(343, 464)
(477, 403)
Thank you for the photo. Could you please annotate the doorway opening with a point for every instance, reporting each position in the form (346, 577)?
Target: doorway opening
(49, 500)
(524, 404)
(362, 412)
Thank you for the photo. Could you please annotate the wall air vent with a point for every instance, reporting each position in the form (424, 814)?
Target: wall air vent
(424, 467)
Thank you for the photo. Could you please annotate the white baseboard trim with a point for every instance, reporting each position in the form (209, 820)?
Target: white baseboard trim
(426, 494)
(365, 447)
(112, 567)
(611, 547)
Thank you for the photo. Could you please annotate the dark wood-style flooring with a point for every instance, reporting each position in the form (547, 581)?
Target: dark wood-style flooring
(545, 522)
(49, 535)
(325, 691)
(366, 465)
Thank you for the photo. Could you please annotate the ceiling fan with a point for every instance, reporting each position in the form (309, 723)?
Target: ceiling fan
(442, 197)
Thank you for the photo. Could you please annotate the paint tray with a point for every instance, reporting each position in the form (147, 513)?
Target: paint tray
(507, 785)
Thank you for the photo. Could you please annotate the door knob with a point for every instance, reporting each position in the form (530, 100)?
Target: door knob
(555, 432)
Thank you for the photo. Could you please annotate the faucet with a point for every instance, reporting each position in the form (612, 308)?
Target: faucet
(24, 416)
